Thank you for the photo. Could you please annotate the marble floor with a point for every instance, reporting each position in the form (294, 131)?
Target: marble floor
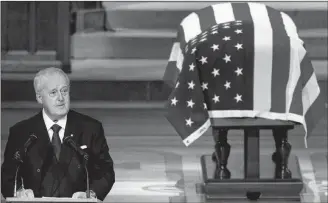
(153, 165)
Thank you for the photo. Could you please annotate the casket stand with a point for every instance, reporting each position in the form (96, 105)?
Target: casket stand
(275, 176)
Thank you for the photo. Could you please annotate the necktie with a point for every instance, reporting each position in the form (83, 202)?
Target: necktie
(56, 143)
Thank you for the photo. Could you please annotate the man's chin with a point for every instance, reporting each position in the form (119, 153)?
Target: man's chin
(62, 112)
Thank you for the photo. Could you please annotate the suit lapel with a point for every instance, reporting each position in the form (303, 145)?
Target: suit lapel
(39, 151)
(66, 153)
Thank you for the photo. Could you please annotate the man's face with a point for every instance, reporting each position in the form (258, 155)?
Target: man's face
(54, 96)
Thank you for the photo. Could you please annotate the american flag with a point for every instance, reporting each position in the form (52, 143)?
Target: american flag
(253, 67)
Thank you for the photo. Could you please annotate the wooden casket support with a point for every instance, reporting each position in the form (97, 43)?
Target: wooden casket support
(251, 175)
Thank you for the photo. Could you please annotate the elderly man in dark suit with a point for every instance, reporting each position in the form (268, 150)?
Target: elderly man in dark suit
(51, 167)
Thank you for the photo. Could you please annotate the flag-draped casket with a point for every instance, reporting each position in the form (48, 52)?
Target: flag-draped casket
(234, 60)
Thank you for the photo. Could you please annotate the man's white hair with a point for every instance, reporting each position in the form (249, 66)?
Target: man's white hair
(42, 76)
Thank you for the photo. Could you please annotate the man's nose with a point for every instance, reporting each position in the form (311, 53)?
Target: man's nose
(60, 97)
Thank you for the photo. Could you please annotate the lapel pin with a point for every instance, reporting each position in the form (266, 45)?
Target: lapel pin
(71, 135)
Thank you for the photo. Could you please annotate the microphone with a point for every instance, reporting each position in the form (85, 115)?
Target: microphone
(20, 154)
(20, 157)
(68, 140)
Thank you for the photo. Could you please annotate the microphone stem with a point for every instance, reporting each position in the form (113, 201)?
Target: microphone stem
(15, 186)
(88, 186)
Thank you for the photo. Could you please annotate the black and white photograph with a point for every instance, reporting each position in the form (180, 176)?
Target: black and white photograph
(164, 101)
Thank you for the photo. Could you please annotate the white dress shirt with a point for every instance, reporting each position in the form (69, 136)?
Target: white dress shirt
(49, 123)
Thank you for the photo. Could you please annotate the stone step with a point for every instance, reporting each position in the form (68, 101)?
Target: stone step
(107, 70)
(151, 44)
(26, 65)
(157, 44)
(86, 90)
(168, 15)
(25, 55)
(128, 70)
(112, 80)
(104, 91)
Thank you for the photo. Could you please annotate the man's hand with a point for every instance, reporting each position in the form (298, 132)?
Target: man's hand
(25, 193)
(83, 195)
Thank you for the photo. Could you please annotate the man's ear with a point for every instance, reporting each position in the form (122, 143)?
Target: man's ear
(39, 98)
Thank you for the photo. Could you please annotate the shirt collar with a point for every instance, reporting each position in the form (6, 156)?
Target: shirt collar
(49, 123)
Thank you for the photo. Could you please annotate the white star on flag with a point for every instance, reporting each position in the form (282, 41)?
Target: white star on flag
(193, 50)
(227, 85)
(238, 31)
(239, 46)
(189, 122)
(215, 72)
(190, 103)
(215, 47)
(191, 67)
(191, 85)
(174, 101)
(216, 98)
(204, 86)
(238, 98)
(238, 71)
(226, 38)
(227, 58)
(203, 60)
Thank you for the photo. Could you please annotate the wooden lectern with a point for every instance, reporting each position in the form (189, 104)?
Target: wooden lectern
(49, 199)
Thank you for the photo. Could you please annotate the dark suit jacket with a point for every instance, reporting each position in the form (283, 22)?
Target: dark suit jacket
(86, 131)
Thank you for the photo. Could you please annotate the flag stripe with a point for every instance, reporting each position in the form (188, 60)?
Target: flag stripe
(310, 92)
(191, 26)
(316, 110)
(280, 62)
(296, 101)
(306, 72)
(223, 13)
(262, 57)
(206, 17)
(181, 38)
(175, 51)
(241, 11)
(174, 65)
(313, 107)
(290, 26)
(171, 74)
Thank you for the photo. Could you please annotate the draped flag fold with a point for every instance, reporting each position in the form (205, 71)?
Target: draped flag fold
(239, 60)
